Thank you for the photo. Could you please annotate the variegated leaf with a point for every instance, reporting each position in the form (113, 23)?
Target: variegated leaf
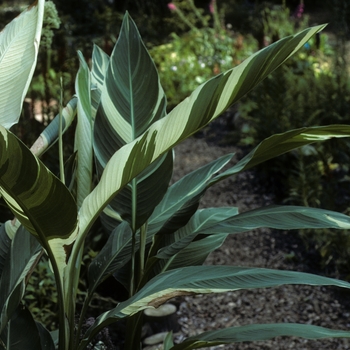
(83, 133)
(131, 100)
(205, 104)
(50, 135)
(37, 197)
(100, 62)
(21, 258)
(256, 332)
(203, 280)
(19, 45)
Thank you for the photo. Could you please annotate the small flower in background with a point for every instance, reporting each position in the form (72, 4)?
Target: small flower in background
(171, 6)
(299, 11)
(211, 6)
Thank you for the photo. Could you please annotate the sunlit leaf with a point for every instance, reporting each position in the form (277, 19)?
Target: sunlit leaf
(36, 197)
(131, 100)
(19, 45)
(83, 133)
(206, 103)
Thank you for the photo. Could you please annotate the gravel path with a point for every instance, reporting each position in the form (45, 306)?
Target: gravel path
(323, 306)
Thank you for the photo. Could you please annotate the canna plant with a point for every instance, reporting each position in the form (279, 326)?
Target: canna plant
(120, 172)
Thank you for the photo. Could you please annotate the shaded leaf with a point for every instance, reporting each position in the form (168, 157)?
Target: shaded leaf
(111, 257)
(228, 221)
(21, 258)
(203, 280)
(83, 133)
(256, 332)
(24, 333)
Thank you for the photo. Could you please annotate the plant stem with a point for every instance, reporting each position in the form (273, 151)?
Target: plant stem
(143, 238)
(198, 14)
(60, 142)
(132, 278)
(62, 330)
(133, 336)
(133, 227)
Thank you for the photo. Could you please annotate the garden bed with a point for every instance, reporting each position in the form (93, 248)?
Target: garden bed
(323, 306)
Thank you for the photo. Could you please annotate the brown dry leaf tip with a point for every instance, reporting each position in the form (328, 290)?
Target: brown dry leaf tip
(35, 3)
(68, 250)
(164, 298)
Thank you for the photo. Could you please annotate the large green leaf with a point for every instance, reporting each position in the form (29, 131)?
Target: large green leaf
(5, 242)
(256, 332)
(19, 45)
(21, 258)
(83, 132)
(203, 280)
(278, 144)
(37, 197)
(182, 198)
(206, 103)
(24, 333)
(112, 256)
(131, 100)
(228, 221)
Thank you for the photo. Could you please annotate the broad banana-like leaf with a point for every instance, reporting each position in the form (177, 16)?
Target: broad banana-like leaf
(256, 332)
(220, 220)
(24, 333)
(203, 280)
(83, 132)
(19, 45)
(182, 198)
(278, 144)
(206, 103)
(131, 100)
(5, 242)
(196, 252)
(50, 135)
(146, 192)
(21, 258)
(100, 62)
(111, 257)
(36, 197)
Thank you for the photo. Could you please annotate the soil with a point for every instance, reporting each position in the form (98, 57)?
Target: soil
(323, 306)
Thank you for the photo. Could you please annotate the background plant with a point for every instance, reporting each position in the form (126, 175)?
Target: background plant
(312, 88)
(200, 53)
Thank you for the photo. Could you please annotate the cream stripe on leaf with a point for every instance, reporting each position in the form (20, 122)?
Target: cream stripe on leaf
(19, 45)
(37, 197)
(131, 100)
(211, 98)
(203, 280)
(83, 133)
